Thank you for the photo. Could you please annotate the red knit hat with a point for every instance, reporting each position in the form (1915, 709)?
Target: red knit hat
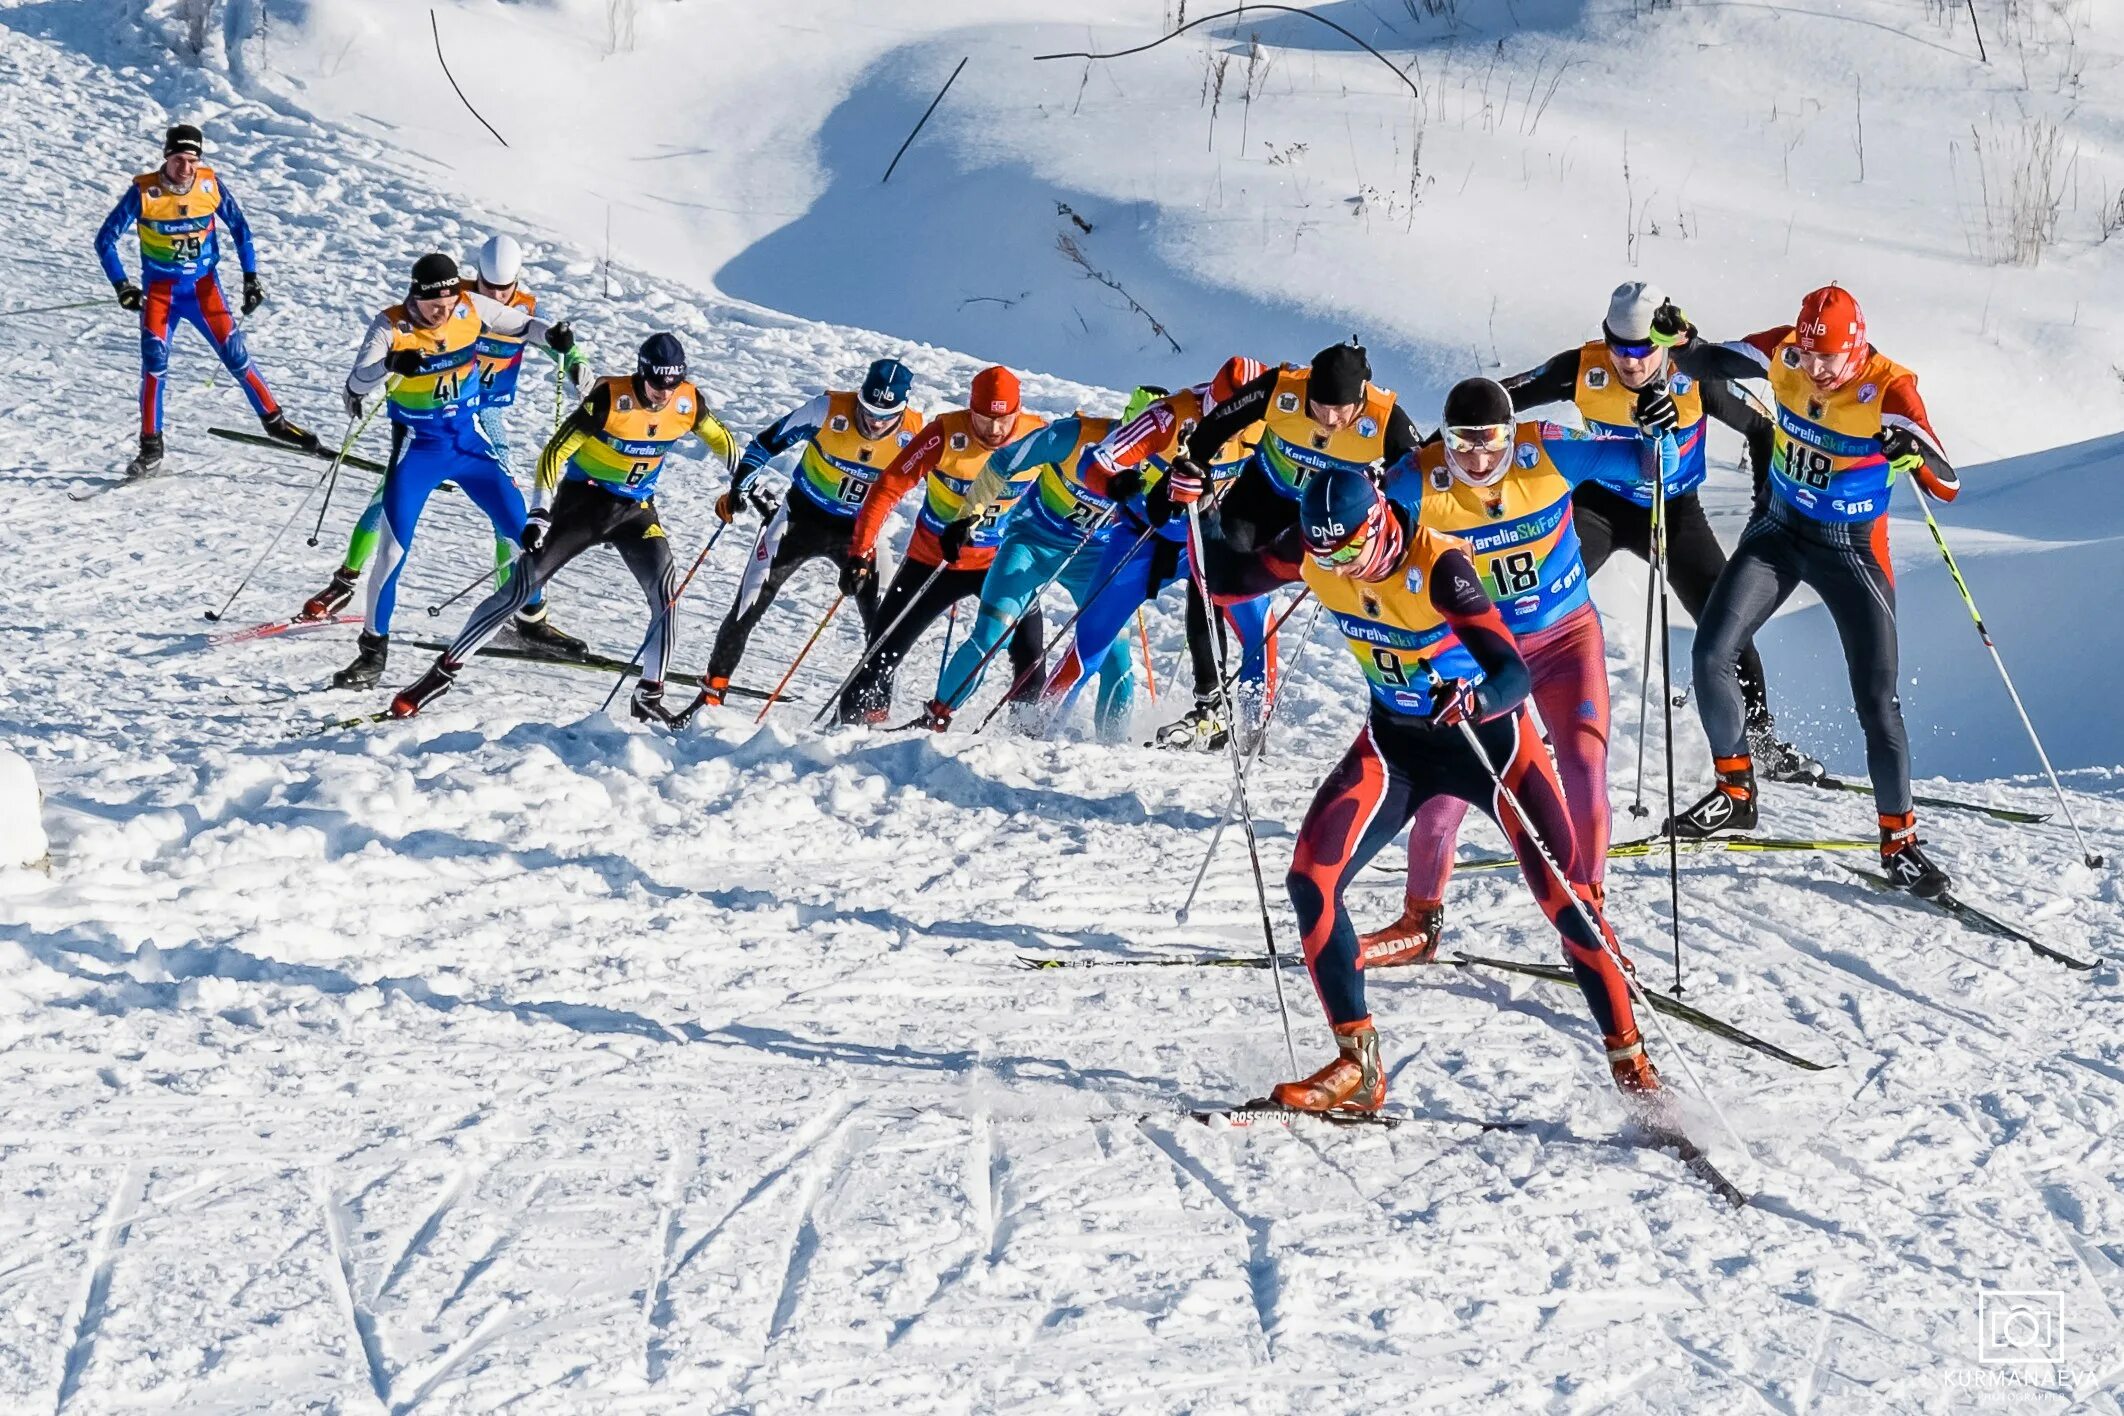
(995, 392)
(1830, 322)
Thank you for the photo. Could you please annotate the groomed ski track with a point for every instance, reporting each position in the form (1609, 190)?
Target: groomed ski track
(522, 1058)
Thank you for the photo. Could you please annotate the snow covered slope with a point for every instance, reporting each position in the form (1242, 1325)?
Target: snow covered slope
(519, 1059)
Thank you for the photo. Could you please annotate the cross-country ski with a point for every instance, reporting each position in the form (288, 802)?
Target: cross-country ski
(1136, 708)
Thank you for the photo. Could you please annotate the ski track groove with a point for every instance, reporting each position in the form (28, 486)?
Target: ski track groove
(1261, 1270)
(424, 1232)
(111, 1233)
(464, 1348)
(1805, 1399)
(360, 1321)
(502, 1239)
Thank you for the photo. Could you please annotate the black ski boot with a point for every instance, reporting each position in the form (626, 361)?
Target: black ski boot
(535, 629)
(1727, 809)
(1201, 730)
(1902, 856)
(368, 666)
(647, 706)
(333, 598)
(426, 689)
(279, 429)
(148, 461)
(1778, 760)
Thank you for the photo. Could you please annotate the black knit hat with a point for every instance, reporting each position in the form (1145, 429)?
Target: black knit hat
(1477, 403)
(183, 137)
(434, 276)
(1339, 375)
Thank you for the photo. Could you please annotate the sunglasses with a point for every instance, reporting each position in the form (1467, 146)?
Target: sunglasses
(1633, 348)
(1487, 437)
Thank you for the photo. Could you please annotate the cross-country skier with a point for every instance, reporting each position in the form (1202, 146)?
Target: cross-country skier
(427, 347)
(1410, 603)
(1056, 532)
(1849, 422)
(1505, 490)
(1309, 419)
(1129, 468)
(603, 462)
(1620, 383)
(501, 360)
(849, 438)
(177, 208)
(948, 455)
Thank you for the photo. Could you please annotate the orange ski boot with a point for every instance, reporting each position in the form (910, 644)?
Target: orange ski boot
(1412, 939)
(1635, 1076)
(1354, 1081)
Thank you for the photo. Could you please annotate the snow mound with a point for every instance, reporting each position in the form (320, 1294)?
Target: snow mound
(22, 838)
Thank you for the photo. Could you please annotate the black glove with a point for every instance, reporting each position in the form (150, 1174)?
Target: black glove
(536, 525)
(403, 362)
(351, 401)
(1655, 411)
(561, 338)
(1124, 484)
(858, 575)
(1453, 701)
(1670, 325)
(129, 297)
(761, 498)
(952, 539)
(253, 292)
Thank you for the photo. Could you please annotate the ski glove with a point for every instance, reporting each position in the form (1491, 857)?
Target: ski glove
(1185, 480)
(1670, 326)
(858, 575)
(1655, 411)
(1904, 453)
(1124, 484)
(351, 401)
(952, 539)
(129, 297)
(561, 339)
(403, 362)
(536, 525)
(1454, 701)
(253, 292)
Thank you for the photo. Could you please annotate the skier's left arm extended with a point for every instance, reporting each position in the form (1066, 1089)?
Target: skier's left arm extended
(1458, 596)
(1910, 445)
(1584, 459)
(712, 431)
(556, 335)
(997, 484)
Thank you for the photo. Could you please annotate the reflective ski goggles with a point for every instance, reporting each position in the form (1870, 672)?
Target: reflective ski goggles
(1632, 348)
(1486, 437)
(1348, 552)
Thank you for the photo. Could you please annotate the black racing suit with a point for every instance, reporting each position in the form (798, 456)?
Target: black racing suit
(799, 532)
(1608, 522)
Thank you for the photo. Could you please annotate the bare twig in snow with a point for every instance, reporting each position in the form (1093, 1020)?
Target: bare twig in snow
(1067, 245)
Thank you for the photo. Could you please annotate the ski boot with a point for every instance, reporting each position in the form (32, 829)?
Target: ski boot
(148, 461)
(534, 629)
(1728, 807)
(647, 705)
(279, 429)
(1635, 1076)
(369, 662)
(1201, 730)
(1778, 760)
(1903, 857)
(935, 716)
(713, 692)
(333, 598)
(1354, 1081)
(425, 690)
(1412, 939)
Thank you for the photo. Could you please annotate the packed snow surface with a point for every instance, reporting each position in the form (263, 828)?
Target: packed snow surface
(519, 1057)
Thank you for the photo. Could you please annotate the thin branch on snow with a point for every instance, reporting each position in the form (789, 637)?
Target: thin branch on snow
(1067, 245)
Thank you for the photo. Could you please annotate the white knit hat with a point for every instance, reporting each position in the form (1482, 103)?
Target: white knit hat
(1630, 311)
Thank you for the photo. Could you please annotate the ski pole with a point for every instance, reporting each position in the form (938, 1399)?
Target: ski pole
(296, 514)
(1585, 913)
(478, 580)
(951, 623)
(1655, 586)
(2092, 858)
(870, 650)
(293, 517)
(346, 445)
(775, 696)
(1246, 815)
(55, 309)
(1180, 915)
(1666, 697)
(634, 661)
(1150, 674)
